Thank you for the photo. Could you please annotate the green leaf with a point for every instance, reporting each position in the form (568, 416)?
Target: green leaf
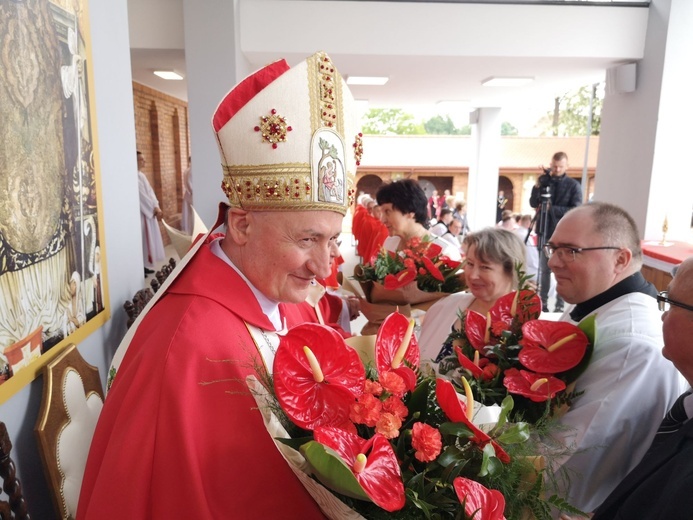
(294, 443)
(419, 398)
(589, 327)
(330, 469)
(506, 407)
(487, 453)
(456, 429)
(450, 455)
(516, 434)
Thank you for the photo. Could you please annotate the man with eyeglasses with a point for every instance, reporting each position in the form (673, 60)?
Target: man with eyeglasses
(660, 486)
(596, 258)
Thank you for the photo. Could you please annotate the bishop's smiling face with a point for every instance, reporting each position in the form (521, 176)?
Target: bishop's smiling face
(285, 251)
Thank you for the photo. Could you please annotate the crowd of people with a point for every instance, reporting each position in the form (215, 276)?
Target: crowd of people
(181, 375)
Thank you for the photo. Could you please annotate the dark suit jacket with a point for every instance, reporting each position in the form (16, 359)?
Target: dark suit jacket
(660, 487)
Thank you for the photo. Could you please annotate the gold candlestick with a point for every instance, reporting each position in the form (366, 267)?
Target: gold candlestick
(665, 228)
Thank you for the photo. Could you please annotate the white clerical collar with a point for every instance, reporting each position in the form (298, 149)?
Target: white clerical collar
(270, 308)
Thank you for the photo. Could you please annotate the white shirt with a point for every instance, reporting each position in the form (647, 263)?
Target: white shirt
(628, 388)
(438, 321)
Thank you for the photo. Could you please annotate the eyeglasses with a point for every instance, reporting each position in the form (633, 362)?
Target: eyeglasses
(664, 302)
(567, 254)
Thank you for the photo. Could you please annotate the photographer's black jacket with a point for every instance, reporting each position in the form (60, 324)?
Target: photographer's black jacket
(565, 194)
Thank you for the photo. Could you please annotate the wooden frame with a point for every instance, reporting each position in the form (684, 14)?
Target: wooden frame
(53, 417)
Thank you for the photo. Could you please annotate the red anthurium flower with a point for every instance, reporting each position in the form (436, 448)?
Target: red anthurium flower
(433, 269)
(306, 401)
(525, 306)
(390, 353)
(380, 477)
(432, 250)
(537, 387)
(468, 364)
(450, 264)
(479, 502)
(551, 347)
(396, 281)
(476, 327)
(456, 411)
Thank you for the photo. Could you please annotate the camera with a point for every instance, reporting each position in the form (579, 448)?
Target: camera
(545, 186)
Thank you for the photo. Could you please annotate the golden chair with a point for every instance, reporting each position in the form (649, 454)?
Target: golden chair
(70, 407)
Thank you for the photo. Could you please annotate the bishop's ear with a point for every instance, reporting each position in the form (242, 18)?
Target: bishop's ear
(237, 225)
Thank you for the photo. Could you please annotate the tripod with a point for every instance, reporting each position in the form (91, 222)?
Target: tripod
(541, 221)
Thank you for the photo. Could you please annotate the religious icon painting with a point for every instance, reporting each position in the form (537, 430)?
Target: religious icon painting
(327, 165)
(52, 272)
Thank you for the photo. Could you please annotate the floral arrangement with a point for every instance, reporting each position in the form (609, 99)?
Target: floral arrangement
(391, 443)
(419, 261)
(511, 351)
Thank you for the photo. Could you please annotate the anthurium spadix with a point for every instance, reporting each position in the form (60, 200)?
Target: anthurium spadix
(366, 469)
(396, 347)
(317, 376)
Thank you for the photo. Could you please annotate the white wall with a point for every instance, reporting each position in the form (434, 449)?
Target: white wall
(116, 139)
(156, 24)
(643, 145)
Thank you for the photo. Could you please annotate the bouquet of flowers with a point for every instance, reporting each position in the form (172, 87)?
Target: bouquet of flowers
(391, 443)
(415, 276)
(512, 352)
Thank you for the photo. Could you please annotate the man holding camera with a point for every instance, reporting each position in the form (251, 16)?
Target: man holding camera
(553, 195)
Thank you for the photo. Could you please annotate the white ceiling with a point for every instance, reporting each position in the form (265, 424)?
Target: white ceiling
(432, 52)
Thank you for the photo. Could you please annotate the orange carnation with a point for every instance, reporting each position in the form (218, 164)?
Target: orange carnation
(395, 406)
(372, 387)
(388, 425)
(393, 383)
(427, 442)
(366, 410)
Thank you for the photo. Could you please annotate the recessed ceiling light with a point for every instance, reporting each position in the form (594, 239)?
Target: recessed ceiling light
(366, 80)
(168, 74)
(494, 81)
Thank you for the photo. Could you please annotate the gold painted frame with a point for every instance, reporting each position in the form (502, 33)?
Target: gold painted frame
(53, 288)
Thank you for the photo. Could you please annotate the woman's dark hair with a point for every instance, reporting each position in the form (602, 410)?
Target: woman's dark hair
(406, 196)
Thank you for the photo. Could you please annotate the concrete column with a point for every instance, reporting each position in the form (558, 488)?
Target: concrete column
(211, 51)
(644, 163)
(483, 168)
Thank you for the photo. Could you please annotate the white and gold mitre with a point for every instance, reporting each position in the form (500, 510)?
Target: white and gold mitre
(289, 138)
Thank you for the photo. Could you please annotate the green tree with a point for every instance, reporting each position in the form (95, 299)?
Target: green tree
(508, 129)
(571, 112)
(439, 125)
(384, 121)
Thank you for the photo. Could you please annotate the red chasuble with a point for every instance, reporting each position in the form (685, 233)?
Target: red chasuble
(179, 435)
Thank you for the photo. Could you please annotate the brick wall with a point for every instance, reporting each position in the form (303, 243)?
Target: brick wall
(162, 133)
